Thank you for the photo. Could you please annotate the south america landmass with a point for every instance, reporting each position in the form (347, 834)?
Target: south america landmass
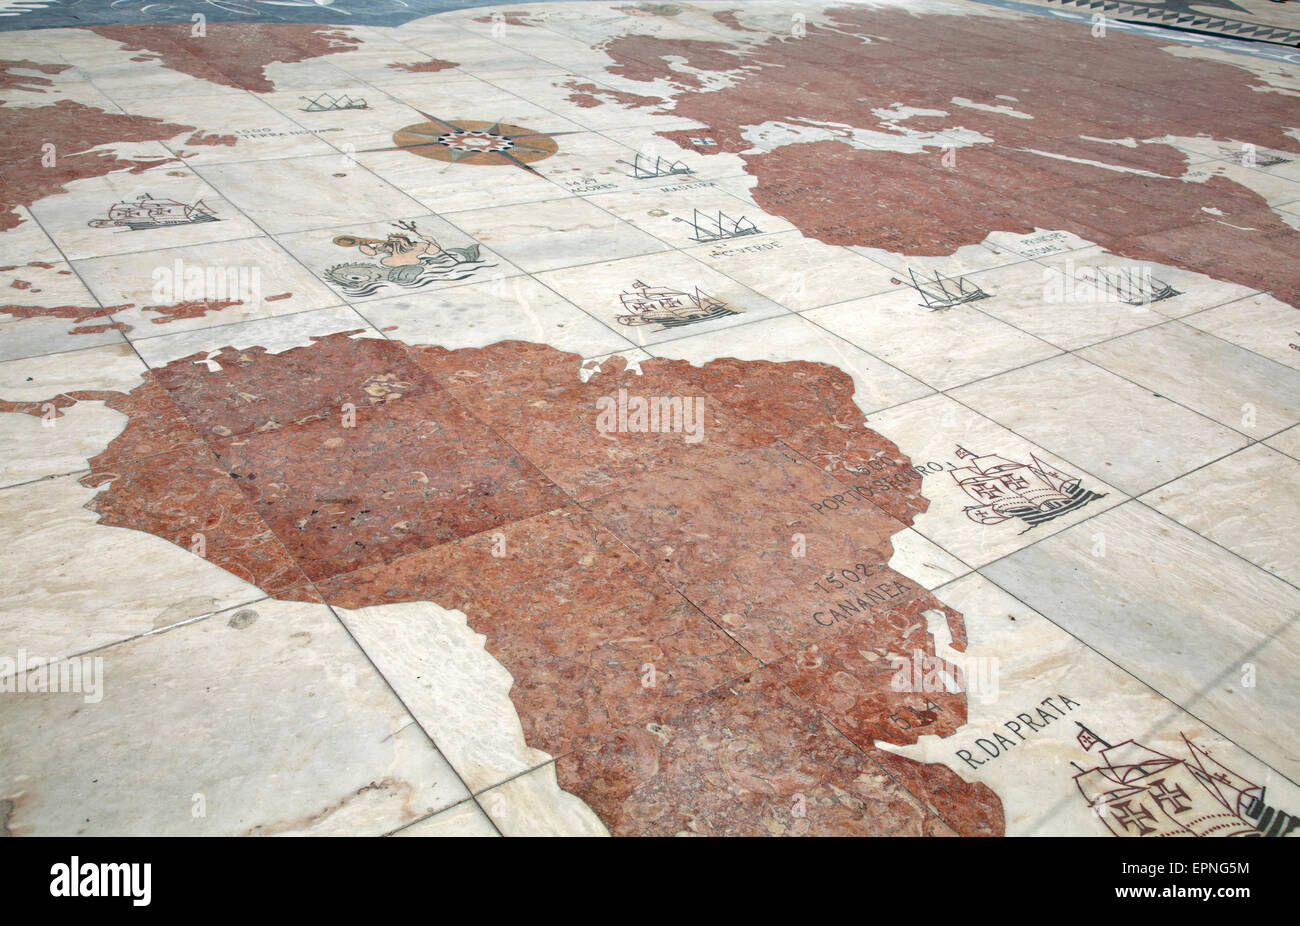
(702, 645)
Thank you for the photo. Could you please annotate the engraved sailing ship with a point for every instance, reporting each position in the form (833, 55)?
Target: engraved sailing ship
(942, 292)
(720, 227)
(1134, 288)
(645, 169)
(145, 212)
(1250, 157)
(1033, 492)
(1138, 791)
(670, 308)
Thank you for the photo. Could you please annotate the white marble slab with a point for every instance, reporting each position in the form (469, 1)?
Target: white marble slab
(1127, 435)
(1249, 502)
(265, 720)
(1206, 629)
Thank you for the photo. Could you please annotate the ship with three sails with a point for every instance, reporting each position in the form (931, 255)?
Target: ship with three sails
(1034, 492)
(671, 308)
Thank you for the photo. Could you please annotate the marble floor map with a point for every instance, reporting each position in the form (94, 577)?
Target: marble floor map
(648, 419)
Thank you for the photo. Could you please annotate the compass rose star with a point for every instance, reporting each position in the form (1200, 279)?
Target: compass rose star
(473, 142)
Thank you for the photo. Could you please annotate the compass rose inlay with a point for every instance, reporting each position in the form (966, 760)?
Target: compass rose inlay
(466, 141)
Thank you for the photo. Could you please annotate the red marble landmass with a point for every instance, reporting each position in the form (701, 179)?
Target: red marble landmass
(153, 425)
(431, 66)
(36, 407)
(73, 129)
(747, 759)
(232, 54)
(413, 474)
(749, 503)
(810, 407)
(78, 313)
(472, 365)
(726, 538)
(553, 424)
(588, 95)
(211, 138)
(1072, 86)
(97, 329)
(573, 614)
(181, 496)
(9, 80)
(193, 308)
(662, 633)
(255, 391)
(731, 19)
